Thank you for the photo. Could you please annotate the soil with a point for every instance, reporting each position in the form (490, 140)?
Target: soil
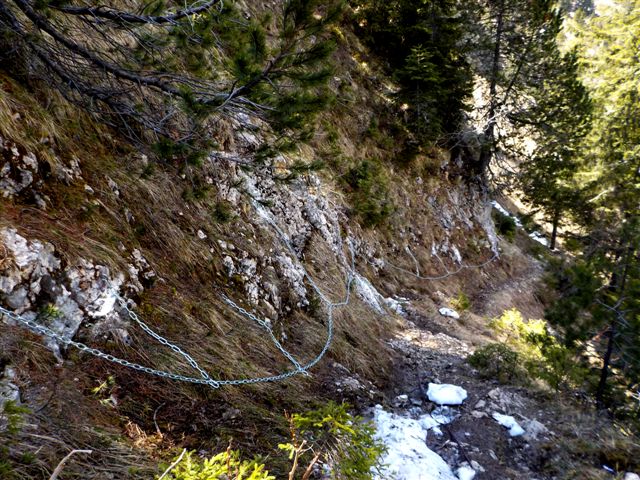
(432, 348)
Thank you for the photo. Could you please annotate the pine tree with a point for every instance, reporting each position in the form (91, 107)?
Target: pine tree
(421, 42)
(610, 311)
(558, 120)
(158, 69)
(511, 41)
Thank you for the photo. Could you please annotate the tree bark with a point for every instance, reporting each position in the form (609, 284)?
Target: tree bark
(604, 372)
(554, 229)
(486, 151)
(617, 285)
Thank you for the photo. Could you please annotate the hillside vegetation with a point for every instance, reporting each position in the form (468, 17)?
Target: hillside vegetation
(228, 230)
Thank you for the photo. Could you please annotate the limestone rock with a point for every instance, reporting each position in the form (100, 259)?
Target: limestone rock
(19, 169)
(31, 275)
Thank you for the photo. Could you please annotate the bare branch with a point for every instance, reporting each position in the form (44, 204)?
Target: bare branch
(120, 16)
(60, 466)
(173, 465)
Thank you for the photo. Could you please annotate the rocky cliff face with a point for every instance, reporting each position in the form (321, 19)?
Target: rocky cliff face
(80, 292)
(85, 224)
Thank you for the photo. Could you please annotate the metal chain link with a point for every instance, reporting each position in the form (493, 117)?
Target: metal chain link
(205, 378)
(265, 325)
(448, 273)
(42, 330)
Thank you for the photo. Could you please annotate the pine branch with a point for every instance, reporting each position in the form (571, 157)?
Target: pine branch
(127, 17)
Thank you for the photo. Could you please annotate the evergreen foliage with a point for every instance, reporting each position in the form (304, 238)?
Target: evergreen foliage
(505, 225)
(159, 70)
(347, 441)
(369, 192)
(558, 121)
(511, 42)
(421, 43)
(599, 294)
(342, 441)
(543, 356)
(498, 361)
(225, 465)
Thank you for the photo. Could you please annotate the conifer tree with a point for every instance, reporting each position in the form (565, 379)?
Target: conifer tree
(610, 310)
(558, 121)
(511, 41)
(421, 42)
(158, 69)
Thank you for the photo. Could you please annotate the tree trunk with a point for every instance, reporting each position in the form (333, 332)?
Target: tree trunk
(604, 373)
(617, 284)
(554, 230)
(486, 151)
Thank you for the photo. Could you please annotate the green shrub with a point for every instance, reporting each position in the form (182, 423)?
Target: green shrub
(505, 224)
(528, 223)
(331, 434)
(461, 302)
(223, 466)
(222, 212)
(347, 441)
(11, 423)
(543, 356)
(13, 416)
(370, 192)
(498, 361)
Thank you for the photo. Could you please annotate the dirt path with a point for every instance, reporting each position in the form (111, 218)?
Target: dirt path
(516, 291)
(433, 349)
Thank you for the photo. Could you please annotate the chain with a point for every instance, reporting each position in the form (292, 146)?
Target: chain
(267, 327)
(204, 378)
(42, 330)
(448, 273)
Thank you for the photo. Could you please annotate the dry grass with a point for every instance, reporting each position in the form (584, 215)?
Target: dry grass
(44, 123)
(186, 306)
(585, 442)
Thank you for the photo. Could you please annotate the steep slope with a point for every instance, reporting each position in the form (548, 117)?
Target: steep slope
(89, 223)
(96, 235)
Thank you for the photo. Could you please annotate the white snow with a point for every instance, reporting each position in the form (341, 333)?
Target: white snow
(540, 238)
(504, 211)
(445, 394)
(466, 473)
(449, 312)
(536, 236)
(456, 254)
(370, 295)
(407, 456)
(396, 305)
(509, 422)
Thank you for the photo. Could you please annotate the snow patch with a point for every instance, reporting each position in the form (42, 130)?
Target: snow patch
(449, 312)
(509, 422)
(536, 236)
(540, 238)
(445, 394)
(466, 473)
(407, 456)
(368, 293)
(504, 211)
(396, 305)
